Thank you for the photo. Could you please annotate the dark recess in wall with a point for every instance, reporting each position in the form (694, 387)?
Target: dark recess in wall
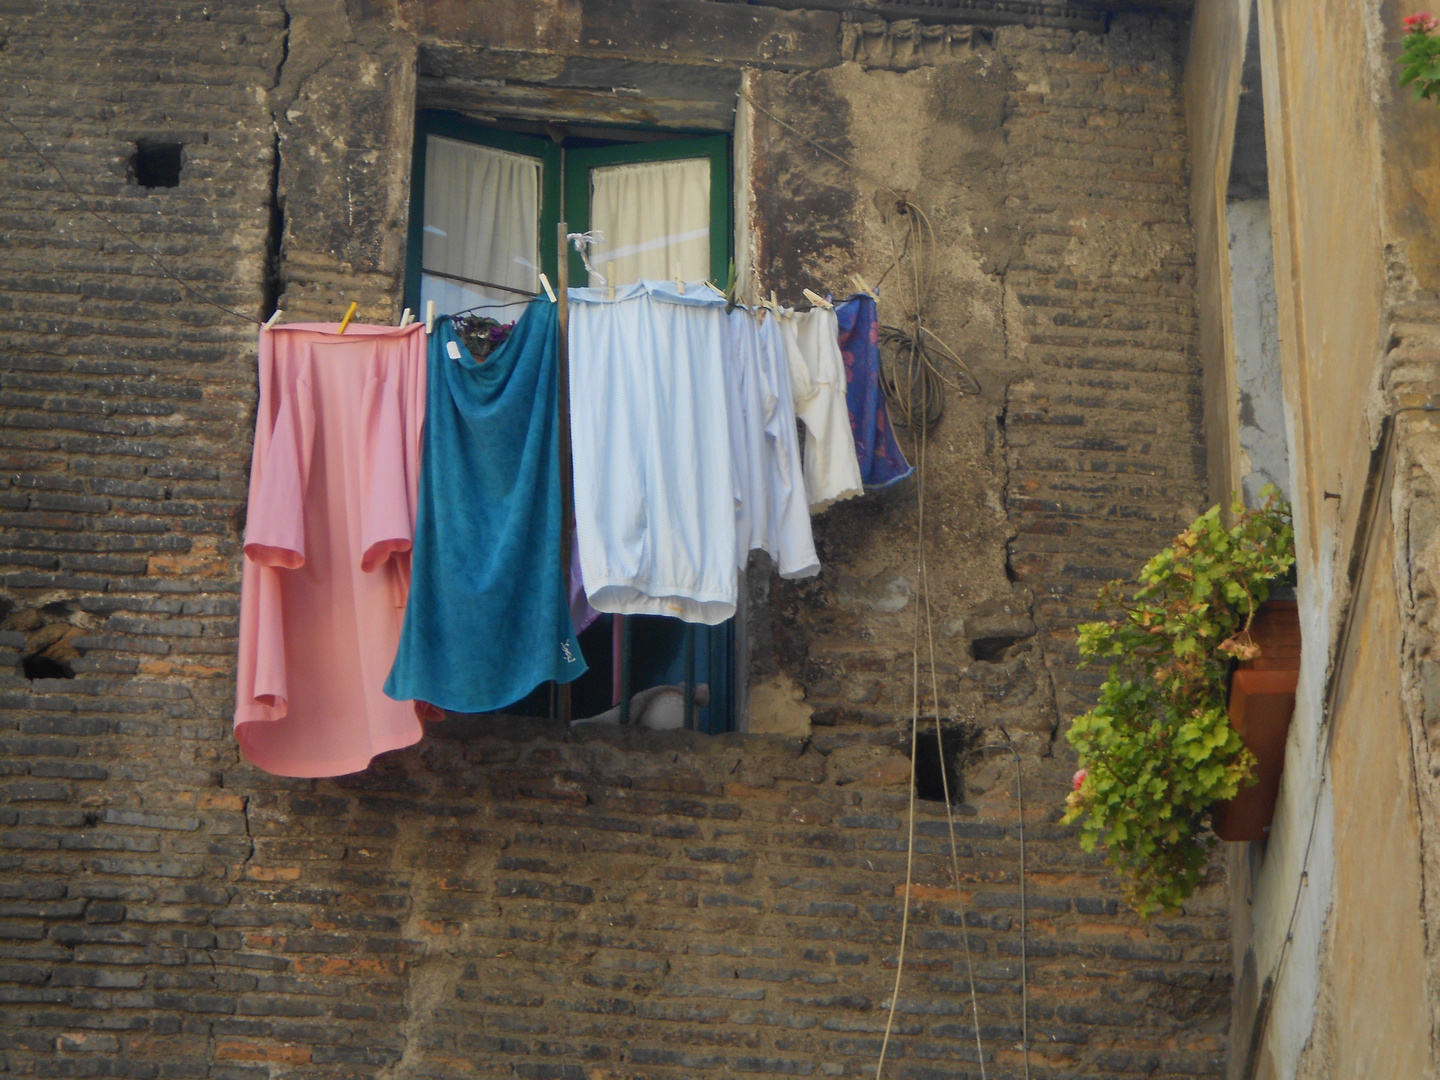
(157, 164)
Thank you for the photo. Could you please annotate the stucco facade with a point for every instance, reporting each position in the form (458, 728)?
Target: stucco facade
(1334, 958)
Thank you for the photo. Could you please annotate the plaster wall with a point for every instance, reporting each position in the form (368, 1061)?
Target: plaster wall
(1213, 69)
(1325, 988)
(1373, 1015)
(1326, 224)
(1263, 427)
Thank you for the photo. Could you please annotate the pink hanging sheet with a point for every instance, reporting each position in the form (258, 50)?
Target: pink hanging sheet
(333, 483)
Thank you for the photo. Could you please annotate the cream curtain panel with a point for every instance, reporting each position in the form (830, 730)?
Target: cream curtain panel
(482, 222)
(655, 219)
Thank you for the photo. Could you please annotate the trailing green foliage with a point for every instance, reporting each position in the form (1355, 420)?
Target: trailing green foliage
(1420, 55)
(1158, 748)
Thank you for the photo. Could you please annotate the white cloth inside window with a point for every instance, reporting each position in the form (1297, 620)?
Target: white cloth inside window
(655, 219)
(482, 222)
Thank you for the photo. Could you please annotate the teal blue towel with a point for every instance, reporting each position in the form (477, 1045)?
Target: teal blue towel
(488, 618)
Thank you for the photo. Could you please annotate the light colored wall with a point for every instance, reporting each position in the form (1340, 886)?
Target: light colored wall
(1212, 92)
(1332, 913)
(1373, 1018)
(1262, 426)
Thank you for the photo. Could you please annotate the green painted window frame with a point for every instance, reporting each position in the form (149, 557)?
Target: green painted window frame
(565, 185)
(579, 163)
(454, 126)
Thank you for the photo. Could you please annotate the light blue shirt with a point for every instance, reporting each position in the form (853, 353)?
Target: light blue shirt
(655, 490)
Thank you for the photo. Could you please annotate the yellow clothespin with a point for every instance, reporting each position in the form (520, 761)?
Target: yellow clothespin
(545, 284)
(348, 316)
(405, 317)
(863, 286)
(271, 320)
(429, 316)
(816, 299)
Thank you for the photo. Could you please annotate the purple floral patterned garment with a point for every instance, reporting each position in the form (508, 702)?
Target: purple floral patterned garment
(881, 462)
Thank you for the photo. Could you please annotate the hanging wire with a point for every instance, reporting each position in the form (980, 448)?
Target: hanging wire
(86, 205)
(480, 282)
(944, 773)
(916, 365)
(921, 366)
(486, 307)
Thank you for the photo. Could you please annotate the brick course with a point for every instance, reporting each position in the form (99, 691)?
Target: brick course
(503, 899)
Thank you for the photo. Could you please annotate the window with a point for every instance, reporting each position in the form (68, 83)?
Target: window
(484, 208)
(663, 209)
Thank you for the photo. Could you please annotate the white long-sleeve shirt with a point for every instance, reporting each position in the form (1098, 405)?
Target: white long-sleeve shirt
(817, 381)
(773, 514)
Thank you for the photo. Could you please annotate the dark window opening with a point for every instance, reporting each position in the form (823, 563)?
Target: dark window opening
(157, 164)
(465, 177)
(935, 772)
(40, 666)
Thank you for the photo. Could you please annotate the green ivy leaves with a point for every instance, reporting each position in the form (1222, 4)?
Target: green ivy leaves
(1157, 750)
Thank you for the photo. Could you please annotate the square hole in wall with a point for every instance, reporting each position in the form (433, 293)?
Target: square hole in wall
(157, 164)
(939, 762)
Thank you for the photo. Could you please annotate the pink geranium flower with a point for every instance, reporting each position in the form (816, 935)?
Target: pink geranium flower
(1079, 779)
(1422, 22)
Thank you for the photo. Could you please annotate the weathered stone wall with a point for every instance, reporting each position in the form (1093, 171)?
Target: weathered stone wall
(503, 899)
(1051, 167)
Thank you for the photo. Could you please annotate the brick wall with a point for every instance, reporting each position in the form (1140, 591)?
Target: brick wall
(503, 900)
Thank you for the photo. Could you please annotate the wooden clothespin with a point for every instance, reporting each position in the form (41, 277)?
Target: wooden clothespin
(405, 317)
(816, 299)
(715, 289)
(610, 283)
(350, 314)
(274, 315)
(429, 316)
(545, 284)
(775, 304)
(863, 286)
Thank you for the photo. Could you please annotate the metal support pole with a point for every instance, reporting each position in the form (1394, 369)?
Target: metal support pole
(689, 676)
(567, 479)
(625, 627)
(617, 657)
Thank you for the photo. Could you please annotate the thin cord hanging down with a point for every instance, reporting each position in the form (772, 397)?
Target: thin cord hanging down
(945, 778)
(89, 209)
(911, 374)
(923, 578)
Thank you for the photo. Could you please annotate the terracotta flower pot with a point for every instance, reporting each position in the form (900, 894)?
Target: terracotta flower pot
(1262, 701)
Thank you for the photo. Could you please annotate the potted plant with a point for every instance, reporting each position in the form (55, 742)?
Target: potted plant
(1158, 750)
(1420, 55)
